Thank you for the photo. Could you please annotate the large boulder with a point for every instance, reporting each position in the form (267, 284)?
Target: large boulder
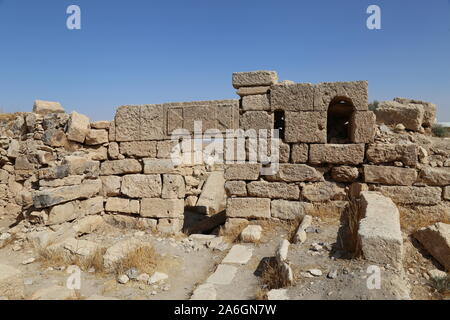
(393, 113)
(429, 117)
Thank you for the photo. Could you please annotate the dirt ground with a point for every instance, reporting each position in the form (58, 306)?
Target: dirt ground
(188, 263)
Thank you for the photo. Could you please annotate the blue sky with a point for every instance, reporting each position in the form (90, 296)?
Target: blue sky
(144, 51)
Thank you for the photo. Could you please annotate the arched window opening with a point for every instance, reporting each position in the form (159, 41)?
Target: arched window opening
(340, 113)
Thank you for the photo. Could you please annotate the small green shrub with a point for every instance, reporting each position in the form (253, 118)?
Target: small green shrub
(439, 130)
(374, 105)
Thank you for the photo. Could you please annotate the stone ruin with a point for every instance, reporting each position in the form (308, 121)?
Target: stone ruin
(57, 167)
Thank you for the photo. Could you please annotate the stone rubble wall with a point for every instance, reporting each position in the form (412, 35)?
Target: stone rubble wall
(56, 167)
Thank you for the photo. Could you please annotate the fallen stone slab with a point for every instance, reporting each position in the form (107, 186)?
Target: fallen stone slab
(282, 251)
(205, 291)
(82, 248)
(223, 275)
(379, 230)
(52, 197)
(300, 235)
(212, 198)
(436, 240)
(119, 251)
(239, 254)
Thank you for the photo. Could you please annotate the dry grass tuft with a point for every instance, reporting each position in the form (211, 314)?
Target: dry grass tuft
(261, 294)
(414, 218)
(8, 241)
(60, 257)
(270, 277)
(353, 216)
(145, 259)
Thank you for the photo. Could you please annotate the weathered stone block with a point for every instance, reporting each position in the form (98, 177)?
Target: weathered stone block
(446, 194)
(386, 153)
(356, 92)
(412, 195)
(170, 226)
(158, 166)
(307, 127)
(336, 153)
(242, 171)
(127, 123)
(288, 210)
(50, 197)
(435, 176)
(111, 185)
(174, 187)
(362, 127)
(344, 174)
(164, 149)
(256, 120)
(55, 138)
(299, 153)
(296, 173)
(248, 208)
(47, 107)
(206, 114)
(429, 117)
(390, 175)
(121, 205)
(124, 166)
(141, 186)
(162, 208)
(152, 122)
(379, 230)
(273, 190)
(113, 150)
(78, 127)
(254, 78)
(96, 136)
(248, 91)
(138, 149)
(101, 125)
(393, 113)
(62, 213)
(236, 188)
(212, 198)
(323, 191)
(292, 97)
(436, 239)
(256, 103)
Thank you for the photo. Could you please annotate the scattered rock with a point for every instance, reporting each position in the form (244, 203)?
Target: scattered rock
(251, 233)
(315, 272)
(157, 277)
(123, 279)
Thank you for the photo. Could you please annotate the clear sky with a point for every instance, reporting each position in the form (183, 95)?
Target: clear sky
(145, 51)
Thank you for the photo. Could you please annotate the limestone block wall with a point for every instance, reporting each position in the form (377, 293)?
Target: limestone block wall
(56, 167)
(327, 149)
